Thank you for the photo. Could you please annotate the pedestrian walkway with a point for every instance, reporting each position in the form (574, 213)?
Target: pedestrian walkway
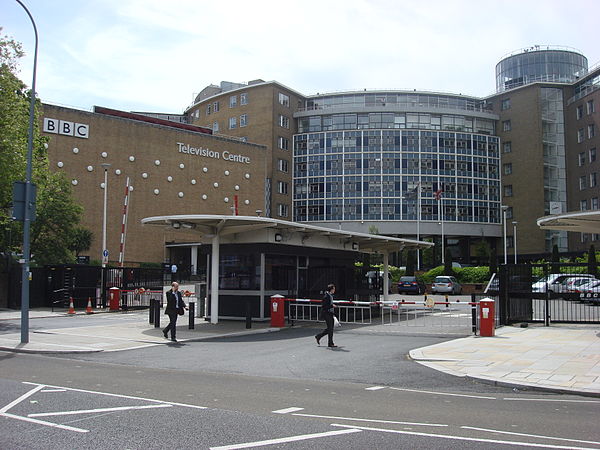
(122, 331)
(564, 358)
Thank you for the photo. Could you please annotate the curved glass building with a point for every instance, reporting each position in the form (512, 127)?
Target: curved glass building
(378, 159)
(540, 64)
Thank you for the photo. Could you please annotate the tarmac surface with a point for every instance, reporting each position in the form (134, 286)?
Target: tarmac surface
(559, 358)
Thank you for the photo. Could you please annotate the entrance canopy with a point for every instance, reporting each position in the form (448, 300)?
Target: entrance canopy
(216, 230)
(247, 229)
(581, 222)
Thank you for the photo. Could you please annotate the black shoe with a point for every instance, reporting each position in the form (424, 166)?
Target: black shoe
(173, 339)
(332, 345)
(165, 335)
(318, 340)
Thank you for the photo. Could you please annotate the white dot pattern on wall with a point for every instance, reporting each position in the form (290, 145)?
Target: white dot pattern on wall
(74, 182)
(180, 194)
(215, 184)
(236, 187)
(227, 172)
(182, 166)
(102, 185)
(169, 178)
(104, 154)
(205, 169)
(130, 188)
(46, 145)
(118, 172)
(226, 199)
(247, 176)
(204, 196)
(246, 202)
(156, 191)
(144, 175)
(132, 158)
(193, 181)
(75, 150)
(60, 164)
(157, 162)
(90, 168)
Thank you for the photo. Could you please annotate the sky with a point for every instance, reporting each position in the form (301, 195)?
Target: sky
(156, 55)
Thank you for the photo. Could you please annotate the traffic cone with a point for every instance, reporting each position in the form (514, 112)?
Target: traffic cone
(88, 309)
(71, 307)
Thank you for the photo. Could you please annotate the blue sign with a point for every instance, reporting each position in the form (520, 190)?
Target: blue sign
(105, 253)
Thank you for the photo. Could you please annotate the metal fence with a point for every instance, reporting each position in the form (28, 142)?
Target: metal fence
(307, 310)
(560, 293)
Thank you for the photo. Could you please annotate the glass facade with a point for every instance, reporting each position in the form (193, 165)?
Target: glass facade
(540, 65)
(555, 178)
(373, 174)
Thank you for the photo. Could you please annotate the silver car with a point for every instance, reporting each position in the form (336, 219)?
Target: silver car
(446, 285)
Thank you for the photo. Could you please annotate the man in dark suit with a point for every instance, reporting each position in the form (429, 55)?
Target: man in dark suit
(327, 314)
(175, 307)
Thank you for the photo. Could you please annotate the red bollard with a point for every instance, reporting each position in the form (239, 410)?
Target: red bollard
(277, 311)
(487, 315)
(114, 298)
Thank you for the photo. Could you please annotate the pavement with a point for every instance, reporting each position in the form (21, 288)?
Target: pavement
(560, 358)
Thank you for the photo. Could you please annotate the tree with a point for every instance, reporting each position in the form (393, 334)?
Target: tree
(57, 214)
(482, 251)
(81, 240)
(592, 263)
(448, 262)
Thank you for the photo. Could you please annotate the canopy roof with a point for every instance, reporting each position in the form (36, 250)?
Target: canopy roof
(581, 221)
(264, 229)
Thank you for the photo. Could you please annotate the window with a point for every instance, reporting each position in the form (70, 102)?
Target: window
(507, 168)
(583, 205)
(582, 182)
(243, 120)
(505, 104)
(208, 109)
(233, 101)
(506, 126)
(592, 154)
(282, 187)
(581, 159)
(284, 100)
(580, 135)
(232, 123)
(282, 165)
(591, 131)
(284, 121)
(282, 210)
(216, 107)
(510, 241)
(215, 127)
(197, 113)
(593, 180)
(507, 147)
(590, 107)
(508, 192)
(509, 212)
(594, 203)
(283, 143)
(244, 98)
(579, 112)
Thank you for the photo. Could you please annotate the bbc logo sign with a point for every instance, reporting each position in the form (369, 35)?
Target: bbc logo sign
(80, 130)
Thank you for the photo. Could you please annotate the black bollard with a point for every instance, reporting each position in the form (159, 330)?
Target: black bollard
(248, 314)
(156, 313)
(151, 311)
(192, 313)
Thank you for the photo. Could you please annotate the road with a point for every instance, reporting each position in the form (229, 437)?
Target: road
(276, 390)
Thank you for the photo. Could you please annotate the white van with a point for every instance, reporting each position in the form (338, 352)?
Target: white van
(553, 281)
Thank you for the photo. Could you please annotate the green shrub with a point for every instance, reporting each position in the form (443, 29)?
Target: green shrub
(472, 274)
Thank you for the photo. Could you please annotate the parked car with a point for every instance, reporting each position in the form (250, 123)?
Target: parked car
(410, 285)
(571, 284)
(553, 280)
(446, 285)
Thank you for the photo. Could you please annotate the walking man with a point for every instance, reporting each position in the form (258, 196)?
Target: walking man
(327, 315)
(175, 307)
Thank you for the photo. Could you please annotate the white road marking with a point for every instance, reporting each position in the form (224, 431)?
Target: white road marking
(531, 435)
(53, 390)
(286, 439)
(42, 422)
(98, 410)
(444, 393)
(375, 388)
(462, 438)
(287, 410)
(371, 420)
(185, 405)
(550, 400)
(21, 398)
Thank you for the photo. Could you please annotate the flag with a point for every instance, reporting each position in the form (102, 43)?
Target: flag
(413, 193)
(438, 194)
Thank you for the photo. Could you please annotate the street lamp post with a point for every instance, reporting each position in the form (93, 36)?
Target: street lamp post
(504, 208)
(515, 238)
(105, 166)
(28, 200)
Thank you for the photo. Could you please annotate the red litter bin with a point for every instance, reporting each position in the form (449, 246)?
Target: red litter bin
(114, 298)
(487, 315)
(277, 311)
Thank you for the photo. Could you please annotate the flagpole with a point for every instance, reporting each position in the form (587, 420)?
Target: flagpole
(418, 223)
